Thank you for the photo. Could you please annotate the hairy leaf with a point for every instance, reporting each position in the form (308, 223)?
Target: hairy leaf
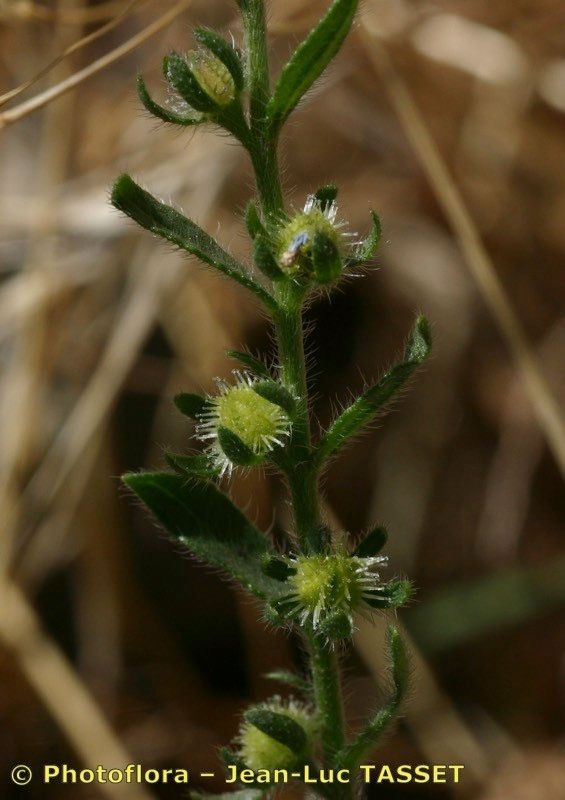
(326, 259)
(326, 195)
(280, 727)
(224, 51)
(372, 543)
(203, 519)
(253, 220)
(276, 393)
(291, 679)
(353, 754)
(363, 410)
(395, 594)
(191, 405)
(170, 224)
(366, 250)
(253, 364)
(196, 466)
(166, 114)
(265, 260)
(178, 73)
(236, 450)
(310, 60)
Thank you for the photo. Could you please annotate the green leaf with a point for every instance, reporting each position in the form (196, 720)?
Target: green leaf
(363, 410)
(276, 393)
(166, 114)
(223, 50)
(196, 466)
(191, 405)
(208, 524)
(236, 450)
(291, 679)
(179, 75)
(253, 220)
(367, 249)
(326, 259)
(280, 727)
(326, 195)
(309, 61)
(399, 662)
(277, 568)
(353, 754)
(170, 224)
(372, 543)
(253, 364)
(395, 594)
(265, 260)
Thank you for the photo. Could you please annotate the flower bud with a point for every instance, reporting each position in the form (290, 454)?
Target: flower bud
(311, 242)
(276, 735)
(242, 426)
(325, 591)
(212, 76)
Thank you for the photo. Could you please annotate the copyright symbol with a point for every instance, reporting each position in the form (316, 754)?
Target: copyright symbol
(21, 775)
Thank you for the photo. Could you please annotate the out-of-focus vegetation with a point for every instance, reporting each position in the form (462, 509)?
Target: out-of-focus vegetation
(111, 644)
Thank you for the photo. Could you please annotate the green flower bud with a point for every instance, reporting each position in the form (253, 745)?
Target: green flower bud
(212, 76)
(311, 241)
(283, 738)
(241, 426)
(325, 591)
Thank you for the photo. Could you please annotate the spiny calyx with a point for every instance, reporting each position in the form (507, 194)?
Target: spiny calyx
(277, 734)
(311, 243)
(325, 590)
(241, 425)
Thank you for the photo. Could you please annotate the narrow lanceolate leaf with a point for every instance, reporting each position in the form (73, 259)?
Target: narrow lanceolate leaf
(277, 568)
(353, 754)
(179, 75)
(399, 662)
(326, 195)
(208, 524)
(265, 260)
(372, 543)
(280, 727)
(191, 405)
(165, 114)
(366, 250)
(394, 594)
(170, 224)
(310, 60)
(224, 51)
(236, 450)
(197, 466)
(326, 259)
(253, 364)
(253, 220)
(365, 408)
(276, 393)
(291, 679)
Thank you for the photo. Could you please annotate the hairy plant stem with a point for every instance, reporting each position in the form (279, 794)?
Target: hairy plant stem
(288, 320)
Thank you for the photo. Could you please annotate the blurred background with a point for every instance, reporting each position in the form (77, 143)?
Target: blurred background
(116, 647)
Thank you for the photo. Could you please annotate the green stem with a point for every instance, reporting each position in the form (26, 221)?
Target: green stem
(302, 474)
(329, 709)
(262, 147)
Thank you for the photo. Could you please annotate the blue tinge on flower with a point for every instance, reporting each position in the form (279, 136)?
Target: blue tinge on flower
(326, 590)
(258, 423)
(297, 235)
